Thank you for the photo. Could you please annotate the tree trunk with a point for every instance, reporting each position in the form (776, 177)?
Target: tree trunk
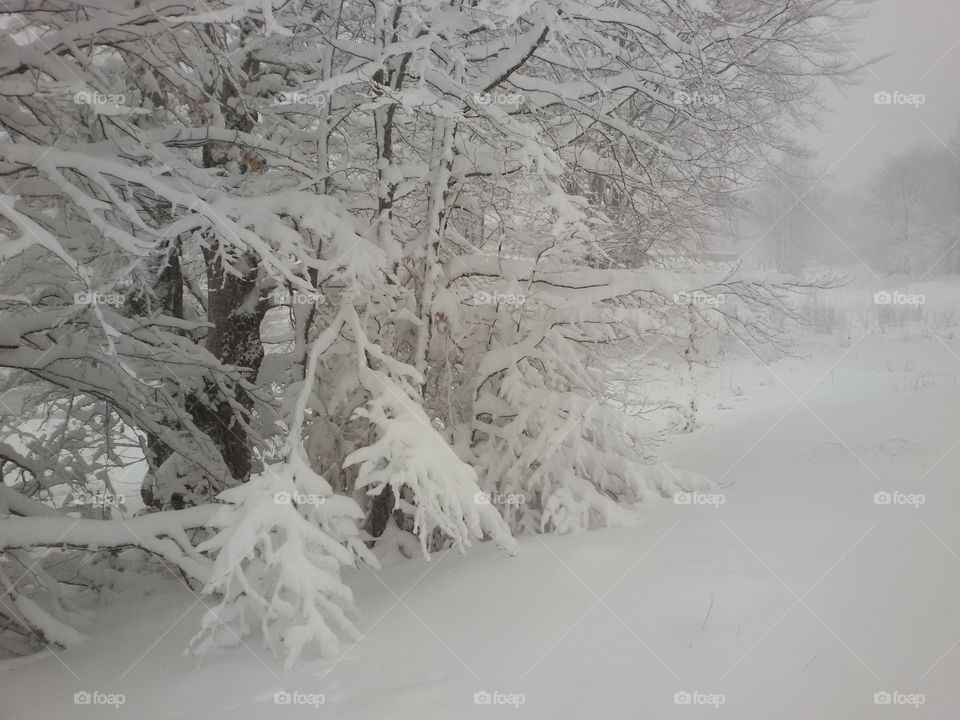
(234, 311)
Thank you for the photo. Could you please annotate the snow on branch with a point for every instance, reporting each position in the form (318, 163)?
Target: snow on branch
(164, 534)
(281, 540)
(430, 482)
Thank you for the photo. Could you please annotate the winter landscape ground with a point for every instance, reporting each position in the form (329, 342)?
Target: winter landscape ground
(817, 573)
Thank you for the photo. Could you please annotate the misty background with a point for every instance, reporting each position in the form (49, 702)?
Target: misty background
(875, 195)
(922, 41)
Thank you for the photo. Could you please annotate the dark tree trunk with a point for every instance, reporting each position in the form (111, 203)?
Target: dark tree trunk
(379, 513)
(234, 306)
(235, 310)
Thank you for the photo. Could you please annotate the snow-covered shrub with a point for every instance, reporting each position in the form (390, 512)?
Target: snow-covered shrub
(281, 540)
(537, 413)
(430, 483)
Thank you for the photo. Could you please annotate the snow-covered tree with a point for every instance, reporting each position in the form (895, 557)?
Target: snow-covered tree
(914, 197)
(360, 253)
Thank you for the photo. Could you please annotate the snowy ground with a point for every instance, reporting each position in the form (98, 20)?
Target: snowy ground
(791, 590)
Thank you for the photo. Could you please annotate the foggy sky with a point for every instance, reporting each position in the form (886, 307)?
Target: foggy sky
(857, 134)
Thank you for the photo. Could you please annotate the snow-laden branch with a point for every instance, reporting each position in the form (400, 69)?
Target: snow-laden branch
(163, 534)
(12, 502)
(429, 481)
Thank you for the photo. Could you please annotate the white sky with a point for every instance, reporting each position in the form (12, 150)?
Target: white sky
(855, 137)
